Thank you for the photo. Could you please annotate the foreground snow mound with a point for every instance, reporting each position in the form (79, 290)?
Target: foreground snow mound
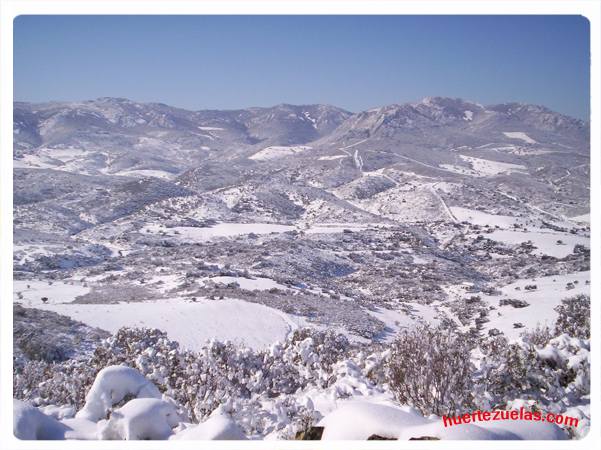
(359, 420)
(526, 429)
(32, 424)
(113, 384)
(467, 431)
(140, 419)
(497, 430)
(219, 427)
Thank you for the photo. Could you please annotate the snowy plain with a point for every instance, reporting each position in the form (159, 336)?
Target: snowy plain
(191, 323)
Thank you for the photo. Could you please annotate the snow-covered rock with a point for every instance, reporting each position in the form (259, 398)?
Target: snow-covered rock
(32, 424)
(218, 427)
(140, 419)
(111, 386)
(359, 420)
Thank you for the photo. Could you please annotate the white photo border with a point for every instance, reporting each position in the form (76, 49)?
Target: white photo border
(9, 9)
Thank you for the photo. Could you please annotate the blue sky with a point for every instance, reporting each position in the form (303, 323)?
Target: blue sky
(355, 62)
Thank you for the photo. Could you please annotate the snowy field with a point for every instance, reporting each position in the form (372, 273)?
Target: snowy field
(542, 301)
(189, 323)
(585, 218)
(250, 284)
(275, 152)
(141, 173)
(481, 218)
(332, 158)
(32, 292)
(558, 245)
(519, 135)
(24, 253)
(198, 234)
(540, 311)
(485, 167)
(478, 167)
(397, 320)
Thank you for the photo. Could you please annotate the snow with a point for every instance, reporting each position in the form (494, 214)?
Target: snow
(148, 173)
(549, 293)
(519, 135)
(455, 432)
(482, 167)
(57, 292)
(198, 234)
(250, 284)
(332, 158)
(111, 386)
(232, 196)
(218, 427)
(310, 119)
(459, 169)
(32, 162)
(190, 323)
(358, 160)
(585, 218)
(468, 115)
(482, 218)
(352, 407)
(526, 429)
(486, 167)
(29, 423)
(359, 420)
(210, 128)
(82, 429)
(325, 228)
(140, 419)
(546, 242)
(487, 430)
(396, 320)
(58, 412)
(275, 152)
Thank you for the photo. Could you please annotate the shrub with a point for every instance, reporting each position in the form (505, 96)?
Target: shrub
(430, 369)
(508, 371)
(539, 336)
(574, 317)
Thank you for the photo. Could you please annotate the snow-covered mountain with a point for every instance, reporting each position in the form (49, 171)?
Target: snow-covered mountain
(118, 136)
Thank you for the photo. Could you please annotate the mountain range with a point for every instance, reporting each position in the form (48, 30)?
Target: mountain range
(81, 164)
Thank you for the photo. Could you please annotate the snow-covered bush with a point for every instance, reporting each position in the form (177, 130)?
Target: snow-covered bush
(551, 374)
(32, 424)
(112, 385)
(574, 317)
(430, 369)
(140, 419)
(290, 386)
(44, 383)
(220, 374)
(508, 371)
(538, 336)
(569, 358)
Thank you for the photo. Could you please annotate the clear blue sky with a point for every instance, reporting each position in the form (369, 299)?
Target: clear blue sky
(355, 62)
